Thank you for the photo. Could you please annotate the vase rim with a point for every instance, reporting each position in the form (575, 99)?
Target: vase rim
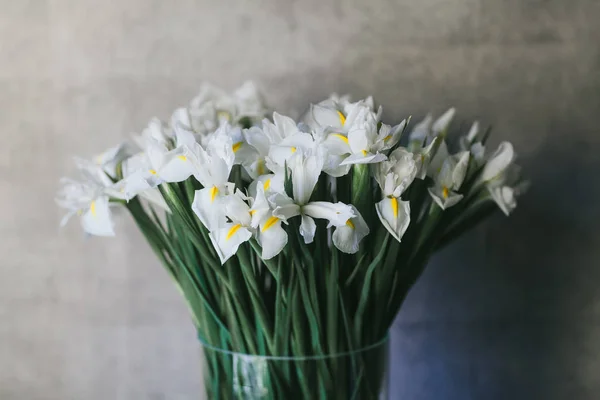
(371, 346)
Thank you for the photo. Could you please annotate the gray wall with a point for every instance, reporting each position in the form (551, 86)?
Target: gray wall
(510, 311)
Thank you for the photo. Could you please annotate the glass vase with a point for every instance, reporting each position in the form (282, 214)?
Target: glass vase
(353, 375)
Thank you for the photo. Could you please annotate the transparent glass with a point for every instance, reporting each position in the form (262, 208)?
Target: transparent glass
(358, 375)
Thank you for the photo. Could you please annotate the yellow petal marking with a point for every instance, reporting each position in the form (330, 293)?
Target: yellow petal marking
(394, 206)
(340, 136)
(294, 149)
(152, 171)
(364, 153)
(232, 231)
(260, 167)
(388, 137)
(267, 184)
(445, 192)
(223, 115)
(342, 118)
(252, 212)
(93, 208)
(182, 157)
(236, 146)
(270, 222)
(350, 224)
(213, 193)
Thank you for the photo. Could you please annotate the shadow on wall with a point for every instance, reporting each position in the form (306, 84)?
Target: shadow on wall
(511, 310)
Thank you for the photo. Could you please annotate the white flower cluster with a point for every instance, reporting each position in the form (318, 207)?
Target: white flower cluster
(218, 131)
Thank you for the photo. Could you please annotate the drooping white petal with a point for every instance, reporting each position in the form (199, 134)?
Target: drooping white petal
(228, 238)
(208, 206)
(244, 154)
(498, 162)
(348, 236)
(333, 166)
(272, 237)
(337, 144)
(444, 196)
(132, 185)
(177, 165)
(308, 227)
(394, 214)
(336, 213)
(97, 220)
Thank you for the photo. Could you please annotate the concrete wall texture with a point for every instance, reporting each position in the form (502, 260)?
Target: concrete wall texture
(510, 311)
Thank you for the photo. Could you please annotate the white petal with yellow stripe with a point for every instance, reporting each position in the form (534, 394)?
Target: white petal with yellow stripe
(336, 213)
(272, 237)
(228, 238)
(348, 236)
(208, 205)
(96, 220)
(178, 165)
(394, 214)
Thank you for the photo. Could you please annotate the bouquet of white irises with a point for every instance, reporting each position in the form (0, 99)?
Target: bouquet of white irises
(294, 239)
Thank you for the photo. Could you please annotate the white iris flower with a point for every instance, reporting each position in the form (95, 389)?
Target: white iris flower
(305, 169)
(213, 167)
(394, 176)
(229, 235)
(449, 180)
(89, 199)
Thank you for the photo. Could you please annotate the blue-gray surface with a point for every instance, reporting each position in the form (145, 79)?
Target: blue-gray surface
(511, 311)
